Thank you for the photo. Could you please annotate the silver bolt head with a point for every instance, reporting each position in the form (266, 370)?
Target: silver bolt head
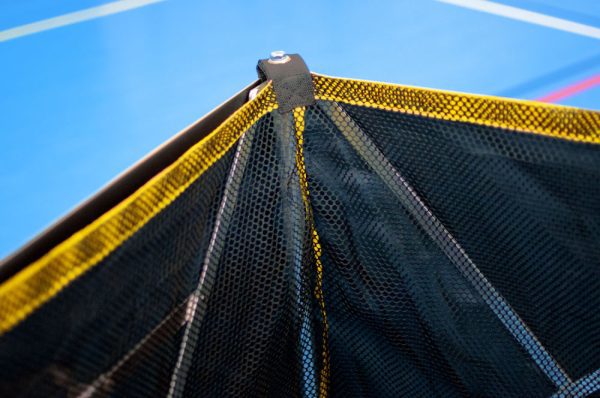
(279, 57)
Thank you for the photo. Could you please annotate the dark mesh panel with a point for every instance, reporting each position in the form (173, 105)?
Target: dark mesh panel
(403, 321)
(525, 207)
(251, 341)
(337, 250)
(96, 325)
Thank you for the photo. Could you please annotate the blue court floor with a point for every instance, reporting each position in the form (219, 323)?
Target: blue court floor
(90, 86)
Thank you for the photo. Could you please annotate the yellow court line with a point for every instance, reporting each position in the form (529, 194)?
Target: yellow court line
(40, 281)
(520, 115)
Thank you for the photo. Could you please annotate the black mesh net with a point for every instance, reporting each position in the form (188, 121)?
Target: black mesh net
(342, 250)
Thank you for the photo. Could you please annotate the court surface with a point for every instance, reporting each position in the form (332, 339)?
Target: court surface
(90, 86)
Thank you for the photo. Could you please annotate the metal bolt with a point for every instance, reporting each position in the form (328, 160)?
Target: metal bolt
(279, 57)
(253, 93)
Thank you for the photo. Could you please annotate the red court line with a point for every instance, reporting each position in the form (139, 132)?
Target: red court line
(571, 90)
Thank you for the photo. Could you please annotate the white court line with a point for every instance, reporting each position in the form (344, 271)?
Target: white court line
(73, 18)
(527, 16)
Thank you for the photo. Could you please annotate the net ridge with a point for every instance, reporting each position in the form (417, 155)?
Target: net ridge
(380, 240)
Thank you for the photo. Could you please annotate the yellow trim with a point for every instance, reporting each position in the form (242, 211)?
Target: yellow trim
(43, 279)
(302, 176)
(39, 282)
(526, 116)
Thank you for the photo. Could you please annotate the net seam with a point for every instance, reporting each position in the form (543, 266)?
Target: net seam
(105, 378)
(197, 307)
(583, 387)
(316, 246)
(436, 231)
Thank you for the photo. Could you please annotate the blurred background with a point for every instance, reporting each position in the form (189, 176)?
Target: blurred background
(87, 87)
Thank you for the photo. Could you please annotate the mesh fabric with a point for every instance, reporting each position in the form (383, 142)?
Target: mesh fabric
(385, 241)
